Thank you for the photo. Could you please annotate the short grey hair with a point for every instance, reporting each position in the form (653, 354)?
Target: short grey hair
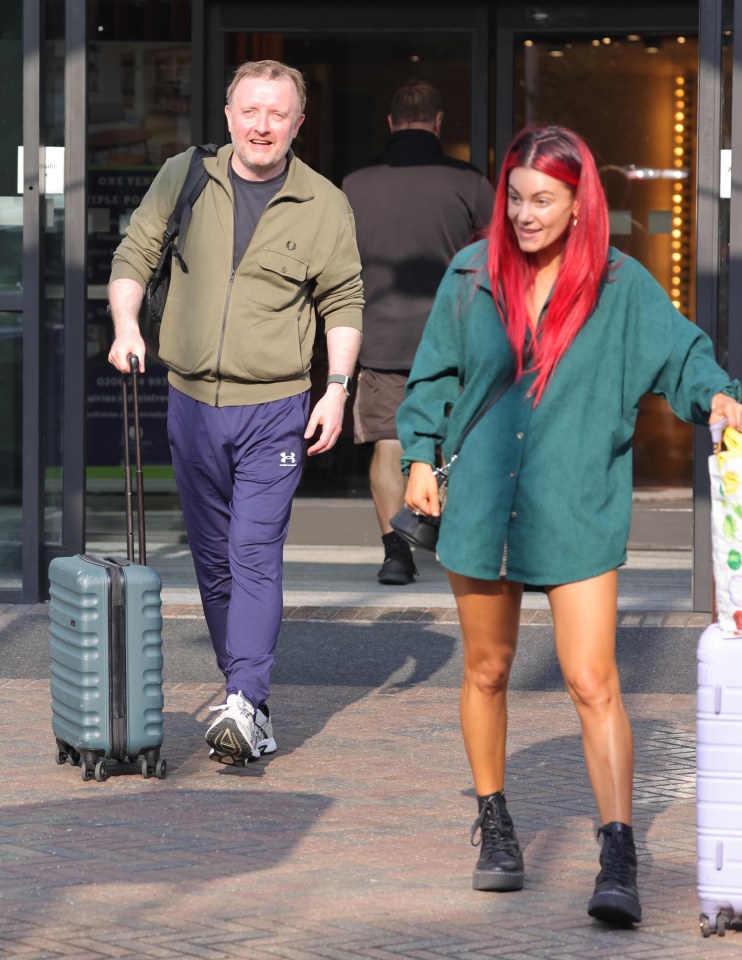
(270, 70)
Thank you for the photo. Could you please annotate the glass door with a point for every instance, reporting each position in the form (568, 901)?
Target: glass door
(631, 92)
(353, 60)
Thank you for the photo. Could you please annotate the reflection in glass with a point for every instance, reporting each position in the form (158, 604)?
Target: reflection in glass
(53, 358)
(727, 67)
(633, 99)
(11, 425)
(139, 115)
(11, 139)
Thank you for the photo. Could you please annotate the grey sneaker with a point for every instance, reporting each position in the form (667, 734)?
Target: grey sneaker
(266, 742)
(233, 736)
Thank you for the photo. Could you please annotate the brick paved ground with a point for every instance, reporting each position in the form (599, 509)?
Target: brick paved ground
(352, 841)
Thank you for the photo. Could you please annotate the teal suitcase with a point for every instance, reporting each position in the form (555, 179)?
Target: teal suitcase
(106, 649)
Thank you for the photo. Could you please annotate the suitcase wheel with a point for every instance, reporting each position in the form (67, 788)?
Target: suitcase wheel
(724, 920)
(64, 753)
(158, 769)
(101, 772)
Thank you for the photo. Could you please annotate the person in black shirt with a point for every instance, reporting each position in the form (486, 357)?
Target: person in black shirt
(414, 207)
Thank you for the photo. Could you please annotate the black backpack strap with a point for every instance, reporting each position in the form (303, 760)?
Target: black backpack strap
(195, 181)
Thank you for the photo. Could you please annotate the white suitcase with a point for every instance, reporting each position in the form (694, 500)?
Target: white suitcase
(719, 781)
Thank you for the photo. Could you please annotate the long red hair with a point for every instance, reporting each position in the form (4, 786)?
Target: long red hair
(562, 154)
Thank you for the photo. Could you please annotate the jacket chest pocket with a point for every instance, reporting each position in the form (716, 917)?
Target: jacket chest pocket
(279, 280)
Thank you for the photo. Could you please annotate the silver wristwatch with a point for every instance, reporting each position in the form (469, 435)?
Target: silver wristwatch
(344, 381)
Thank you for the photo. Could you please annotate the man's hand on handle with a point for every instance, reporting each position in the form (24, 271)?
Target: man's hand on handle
(125, 298)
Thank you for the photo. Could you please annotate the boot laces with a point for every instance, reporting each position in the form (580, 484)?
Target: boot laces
(615, 859)
(400, 551)
(495, 832)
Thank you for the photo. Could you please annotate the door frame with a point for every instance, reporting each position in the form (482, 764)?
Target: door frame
(229, 16)
(31, 301)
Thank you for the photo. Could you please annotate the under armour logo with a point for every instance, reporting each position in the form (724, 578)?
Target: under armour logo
(288, 459)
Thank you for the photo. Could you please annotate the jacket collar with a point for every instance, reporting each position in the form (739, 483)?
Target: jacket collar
(412, 147)
(477, 267)
(297, 186)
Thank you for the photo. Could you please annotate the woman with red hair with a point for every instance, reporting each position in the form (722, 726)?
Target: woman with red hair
(540, 492)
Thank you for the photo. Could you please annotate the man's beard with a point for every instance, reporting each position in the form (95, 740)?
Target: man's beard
(251, 163)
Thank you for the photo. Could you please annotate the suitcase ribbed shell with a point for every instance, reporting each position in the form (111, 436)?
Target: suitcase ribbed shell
(719, 773)
(82, 680)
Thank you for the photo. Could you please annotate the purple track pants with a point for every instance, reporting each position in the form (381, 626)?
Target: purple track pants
(237, 469)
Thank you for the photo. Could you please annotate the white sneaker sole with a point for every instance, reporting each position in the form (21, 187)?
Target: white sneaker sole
(228, 744)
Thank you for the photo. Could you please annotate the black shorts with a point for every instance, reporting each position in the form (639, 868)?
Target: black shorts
(379, 395)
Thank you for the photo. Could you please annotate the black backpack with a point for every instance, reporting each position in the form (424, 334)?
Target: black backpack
(155, 293)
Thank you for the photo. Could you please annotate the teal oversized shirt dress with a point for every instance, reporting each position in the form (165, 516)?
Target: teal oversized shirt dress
(542, 494)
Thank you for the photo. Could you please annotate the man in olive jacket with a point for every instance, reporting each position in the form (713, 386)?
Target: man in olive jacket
(271, 244)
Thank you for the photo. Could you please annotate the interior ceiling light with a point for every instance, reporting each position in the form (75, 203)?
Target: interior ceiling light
(681, 39)
(652, 46)
(633, 37)
(556, 51)
(652, 173)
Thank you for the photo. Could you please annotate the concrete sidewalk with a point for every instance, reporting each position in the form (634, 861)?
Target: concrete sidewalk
(352, 840)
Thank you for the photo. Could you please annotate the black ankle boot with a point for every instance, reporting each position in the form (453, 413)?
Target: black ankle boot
(500, 864)
(616, 898)
(398, 567)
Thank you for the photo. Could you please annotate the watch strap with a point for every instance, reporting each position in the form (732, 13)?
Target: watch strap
(340, 378)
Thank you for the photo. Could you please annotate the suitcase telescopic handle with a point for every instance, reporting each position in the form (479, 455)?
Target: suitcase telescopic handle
(134, 368)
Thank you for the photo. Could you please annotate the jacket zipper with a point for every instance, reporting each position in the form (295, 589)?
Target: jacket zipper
(229, 297)
(222, 335)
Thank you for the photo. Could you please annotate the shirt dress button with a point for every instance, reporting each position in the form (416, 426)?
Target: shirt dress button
(512, 474)
(520, 435)
(513, 515)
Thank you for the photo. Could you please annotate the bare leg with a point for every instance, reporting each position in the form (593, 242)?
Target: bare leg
(388, 483)
(489, 612)
(585, 631)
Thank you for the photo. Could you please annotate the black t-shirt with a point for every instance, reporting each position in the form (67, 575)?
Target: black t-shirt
(251, 197)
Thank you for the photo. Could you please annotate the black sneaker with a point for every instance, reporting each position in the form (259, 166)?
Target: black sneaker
(500, 864)
(398, 567)
(616, 898)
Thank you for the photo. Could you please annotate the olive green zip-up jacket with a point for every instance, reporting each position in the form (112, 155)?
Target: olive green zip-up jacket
(246, 336)
(543, 494)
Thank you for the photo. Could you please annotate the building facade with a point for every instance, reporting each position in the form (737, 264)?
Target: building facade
(95, 95)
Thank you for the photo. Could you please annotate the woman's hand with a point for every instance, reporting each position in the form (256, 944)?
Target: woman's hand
(724, 406)
(422, 490)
